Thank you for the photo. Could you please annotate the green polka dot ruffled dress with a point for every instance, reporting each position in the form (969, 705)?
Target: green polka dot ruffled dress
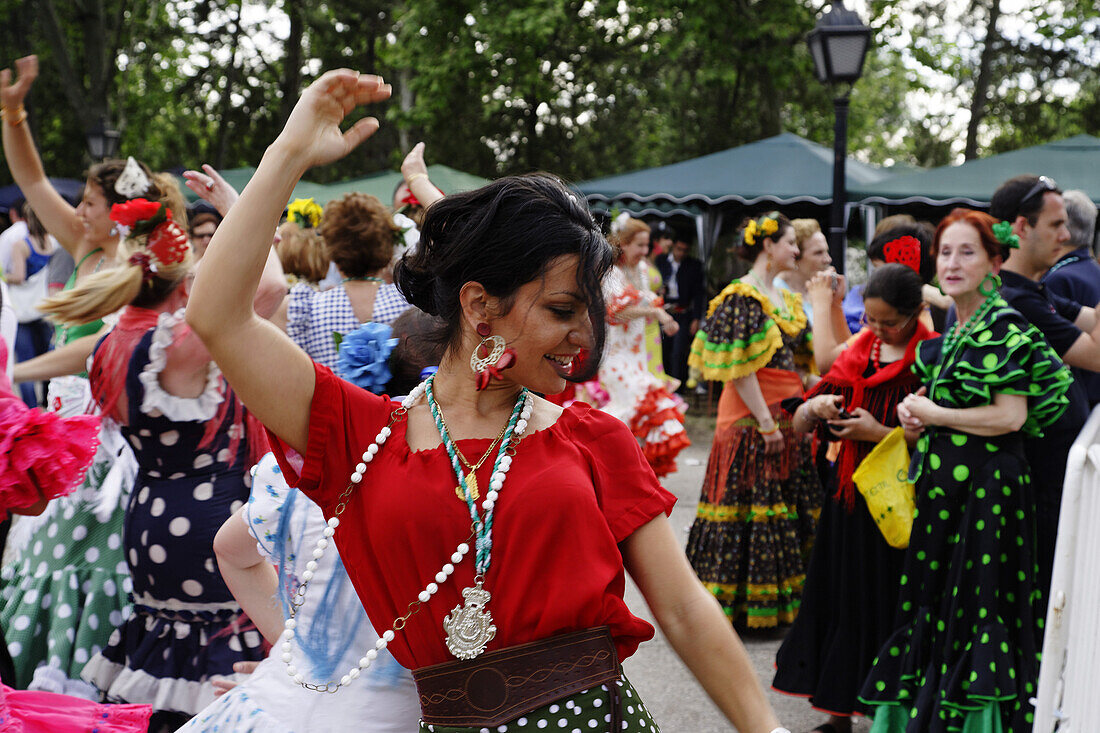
(67, 589)
(965, 653)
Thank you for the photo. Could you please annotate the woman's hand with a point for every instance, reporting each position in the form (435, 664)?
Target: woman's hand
(916, 411)
(669, 326)
(210, 186)
(861, 426)
(222, 686)
(312, 135)
(826, 406)
(820, 286)
(413, 164)
(12, 95)
(773, 441)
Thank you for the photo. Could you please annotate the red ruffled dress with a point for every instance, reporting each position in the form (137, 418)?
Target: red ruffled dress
(41, 455)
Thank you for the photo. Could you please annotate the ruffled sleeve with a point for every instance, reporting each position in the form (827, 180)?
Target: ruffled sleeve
(626, 488)
(154, 397)
(299, 312)
(738, 337)
(1008, 355)
(618, 295)
(264, 510)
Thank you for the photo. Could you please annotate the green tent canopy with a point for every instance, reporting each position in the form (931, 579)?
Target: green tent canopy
(1074, 163)
(381, 184)
(783, 169)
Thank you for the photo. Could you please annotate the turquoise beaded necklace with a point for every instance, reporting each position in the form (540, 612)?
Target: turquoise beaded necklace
(365, 278)
(483, 526)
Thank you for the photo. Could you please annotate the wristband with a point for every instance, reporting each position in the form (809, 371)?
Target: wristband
(415, 177)
(767, 432)
(20, 114)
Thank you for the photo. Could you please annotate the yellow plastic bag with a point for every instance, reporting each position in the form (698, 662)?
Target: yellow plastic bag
(882, 478)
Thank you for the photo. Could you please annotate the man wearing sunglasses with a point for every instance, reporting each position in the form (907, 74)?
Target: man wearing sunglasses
(1035, 208)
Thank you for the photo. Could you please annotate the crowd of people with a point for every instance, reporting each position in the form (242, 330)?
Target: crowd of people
(406, 452)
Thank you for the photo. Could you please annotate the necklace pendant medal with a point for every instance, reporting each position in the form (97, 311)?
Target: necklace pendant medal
(471, 483)
(470, 628)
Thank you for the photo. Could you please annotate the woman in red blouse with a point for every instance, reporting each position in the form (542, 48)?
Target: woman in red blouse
(516, 570)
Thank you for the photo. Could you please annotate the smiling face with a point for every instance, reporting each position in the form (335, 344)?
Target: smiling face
(962, 262)
(547, 326)
(635, 249)
(95, 213)
(783, 251)
(815, 256)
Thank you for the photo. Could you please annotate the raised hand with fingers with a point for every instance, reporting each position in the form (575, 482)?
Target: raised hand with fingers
(312, 134)
(12, 94)
(210, 186)
(413, 164)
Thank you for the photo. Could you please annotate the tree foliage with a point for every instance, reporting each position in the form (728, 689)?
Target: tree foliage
(580, 87)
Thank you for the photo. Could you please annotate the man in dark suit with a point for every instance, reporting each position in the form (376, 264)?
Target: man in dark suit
(685, 300)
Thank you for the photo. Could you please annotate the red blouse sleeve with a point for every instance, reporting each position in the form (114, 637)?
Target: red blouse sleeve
(627, 490)
(343, 421)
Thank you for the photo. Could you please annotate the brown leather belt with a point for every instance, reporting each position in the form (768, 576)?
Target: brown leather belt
(502, 685)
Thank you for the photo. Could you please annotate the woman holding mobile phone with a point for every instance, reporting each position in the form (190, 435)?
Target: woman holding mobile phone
(852, 583)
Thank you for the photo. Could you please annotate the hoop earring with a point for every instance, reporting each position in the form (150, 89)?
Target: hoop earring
(989, 285)
(491, 357)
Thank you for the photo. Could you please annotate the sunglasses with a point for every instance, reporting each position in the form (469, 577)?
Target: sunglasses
(1043, 185)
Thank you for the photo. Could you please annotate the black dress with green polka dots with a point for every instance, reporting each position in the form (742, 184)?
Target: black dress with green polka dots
(965, 652)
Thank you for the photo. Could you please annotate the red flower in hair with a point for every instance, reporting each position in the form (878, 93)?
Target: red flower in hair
(903, 251)
(131, 212)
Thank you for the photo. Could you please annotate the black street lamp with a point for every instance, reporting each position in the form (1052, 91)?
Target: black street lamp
(838, 45)
(102, 140)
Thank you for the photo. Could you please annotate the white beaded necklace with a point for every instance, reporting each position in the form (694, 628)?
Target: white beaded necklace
(475, 596)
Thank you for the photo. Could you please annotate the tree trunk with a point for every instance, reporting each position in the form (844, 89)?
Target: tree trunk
(226, 101)
(292, 71)
(981, 86)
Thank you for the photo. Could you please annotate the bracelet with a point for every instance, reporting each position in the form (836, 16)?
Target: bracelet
(415, 177)
(780, 729)
(767, 432)
(20, 113)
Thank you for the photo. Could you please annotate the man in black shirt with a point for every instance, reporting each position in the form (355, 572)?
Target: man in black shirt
(1035, 208)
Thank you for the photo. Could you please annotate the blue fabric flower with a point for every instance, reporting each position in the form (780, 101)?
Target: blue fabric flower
(363, 356)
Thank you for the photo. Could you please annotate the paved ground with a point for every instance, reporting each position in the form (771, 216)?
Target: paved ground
(675, 699)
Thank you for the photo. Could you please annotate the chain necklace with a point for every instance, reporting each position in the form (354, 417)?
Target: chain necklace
(471, 477)
(365, 278)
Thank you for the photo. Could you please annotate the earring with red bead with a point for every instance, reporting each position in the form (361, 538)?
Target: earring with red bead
(491, 357)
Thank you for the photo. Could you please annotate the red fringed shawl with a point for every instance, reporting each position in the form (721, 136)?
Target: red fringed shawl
(879, 394)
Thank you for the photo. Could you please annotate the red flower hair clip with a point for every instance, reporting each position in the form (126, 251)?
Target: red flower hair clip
(903, 251)
(166, 241)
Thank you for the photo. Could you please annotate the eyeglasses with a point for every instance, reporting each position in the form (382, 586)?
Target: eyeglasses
(1042, 185)
(892, 327)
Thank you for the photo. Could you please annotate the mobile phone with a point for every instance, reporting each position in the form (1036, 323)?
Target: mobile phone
(845, 415)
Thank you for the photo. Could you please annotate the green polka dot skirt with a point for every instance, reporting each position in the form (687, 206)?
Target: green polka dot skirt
(66, 591)
(585, 712)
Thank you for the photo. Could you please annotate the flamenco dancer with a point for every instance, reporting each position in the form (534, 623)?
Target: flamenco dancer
(636, 395)
(761, 494)
(44, 457)
(964, 653)
(191, 438)
(67, 587)
(513, 268)
(853, 579)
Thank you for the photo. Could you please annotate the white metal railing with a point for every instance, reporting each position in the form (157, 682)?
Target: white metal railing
(1068, 698)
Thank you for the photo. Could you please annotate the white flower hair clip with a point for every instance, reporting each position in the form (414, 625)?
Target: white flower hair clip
(133, 182)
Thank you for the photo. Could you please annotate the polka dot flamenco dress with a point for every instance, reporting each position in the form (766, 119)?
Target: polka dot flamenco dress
(185, 627)
(964, 655)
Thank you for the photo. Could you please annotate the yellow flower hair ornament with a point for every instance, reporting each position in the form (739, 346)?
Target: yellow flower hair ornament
(749, 234)
(769, 223)
(304, 213)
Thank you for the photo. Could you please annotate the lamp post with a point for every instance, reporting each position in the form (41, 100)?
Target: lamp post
(102, 140)
(838, 45)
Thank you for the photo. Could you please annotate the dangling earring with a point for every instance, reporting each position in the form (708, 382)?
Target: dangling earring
(491, 357)
(989, 285)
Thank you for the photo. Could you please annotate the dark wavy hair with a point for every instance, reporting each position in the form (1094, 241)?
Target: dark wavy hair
(106, 174)
(504, 235)
(749, 252)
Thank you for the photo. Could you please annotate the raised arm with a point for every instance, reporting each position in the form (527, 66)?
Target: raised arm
(55, 213)
(695, 626)
(830, 328)
(415, 173)
(272, 376)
